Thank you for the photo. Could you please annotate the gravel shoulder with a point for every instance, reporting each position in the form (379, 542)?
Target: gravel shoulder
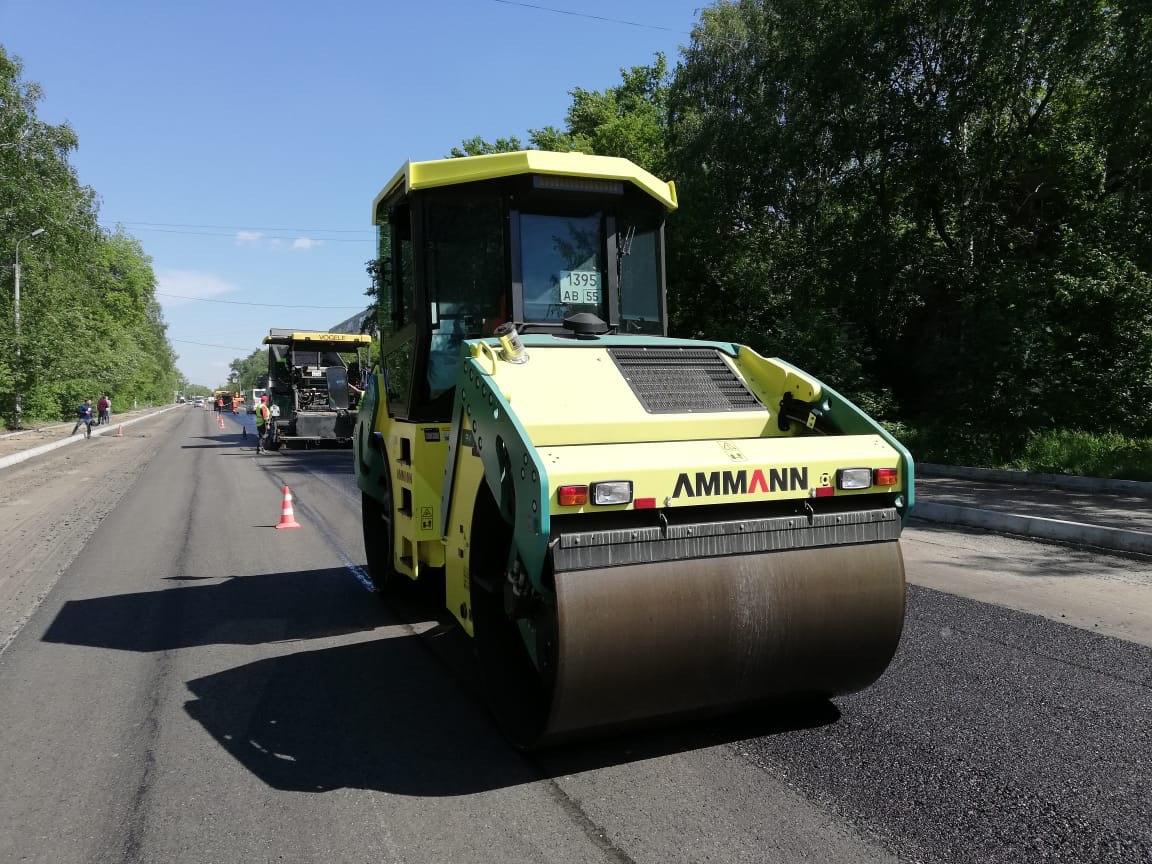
(17, 442)
(51, 505)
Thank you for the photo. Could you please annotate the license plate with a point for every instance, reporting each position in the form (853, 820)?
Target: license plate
(580, 286)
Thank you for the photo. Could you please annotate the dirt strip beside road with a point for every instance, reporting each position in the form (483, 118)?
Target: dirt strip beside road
(46, 524)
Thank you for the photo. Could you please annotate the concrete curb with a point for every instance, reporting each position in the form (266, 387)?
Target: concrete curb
(1036, 526)
(30, 431)
(33, 452)
(1069, 482)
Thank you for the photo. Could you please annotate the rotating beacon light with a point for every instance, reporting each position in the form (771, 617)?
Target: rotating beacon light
(510, 344)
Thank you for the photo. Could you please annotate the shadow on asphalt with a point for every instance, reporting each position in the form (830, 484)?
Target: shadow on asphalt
(324, 461)
(1058, 559)
(403, 714)
(385, 715)
(241, 610)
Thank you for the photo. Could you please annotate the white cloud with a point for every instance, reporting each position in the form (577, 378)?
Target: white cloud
(248, 238)
(258, 240)
(186, 284)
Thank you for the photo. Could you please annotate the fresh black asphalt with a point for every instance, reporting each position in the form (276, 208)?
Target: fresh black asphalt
(995, 736)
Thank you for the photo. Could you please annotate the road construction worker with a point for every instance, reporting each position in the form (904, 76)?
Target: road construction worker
(263, 414)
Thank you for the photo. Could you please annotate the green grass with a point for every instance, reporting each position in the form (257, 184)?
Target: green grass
(1063, 451)
(1091, 454)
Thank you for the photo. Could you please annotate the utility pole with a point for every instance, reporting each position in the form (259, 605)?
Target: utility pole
(19, 408)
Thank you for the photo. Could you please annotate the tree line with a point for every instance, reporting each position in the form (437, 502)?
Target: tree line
(944, 210)
(90, 321)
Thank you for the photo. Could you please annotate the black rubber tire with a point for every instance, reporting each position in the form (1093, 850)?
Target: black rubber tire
(379, 536)
(515, 692)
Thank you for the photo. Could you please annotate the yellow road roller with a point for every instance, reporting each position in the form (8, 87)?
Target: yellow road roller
(629, 526)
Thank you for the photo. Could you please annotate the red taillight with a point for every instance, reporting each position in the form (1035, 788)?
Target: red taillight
(645, 503)
(572, 496)
(885, 477)
(824, 491)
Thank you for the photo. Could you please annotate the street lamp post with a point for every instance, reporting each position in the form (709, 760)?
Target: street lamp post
(19, 408)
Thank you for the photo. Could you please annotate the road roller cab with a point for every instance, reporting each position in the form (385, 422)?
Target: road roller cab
(630, 526)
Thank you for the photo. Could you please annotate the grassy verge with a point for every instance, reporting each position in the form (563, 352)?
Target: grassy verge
(1065, 451)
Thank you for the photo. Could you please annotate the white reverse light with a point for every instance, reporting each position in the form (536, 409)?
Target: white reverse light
(854, 478)
(612, 492)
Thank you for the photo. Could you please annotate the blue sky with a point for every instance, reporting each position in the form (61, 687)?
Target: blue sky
(269, 127)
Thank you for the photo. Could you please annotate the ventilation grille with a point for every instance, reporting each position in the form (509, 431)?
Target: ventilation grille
(683, 380)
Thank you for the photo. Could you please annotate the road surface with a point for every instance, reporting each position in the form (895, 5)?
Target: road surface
(182, 683)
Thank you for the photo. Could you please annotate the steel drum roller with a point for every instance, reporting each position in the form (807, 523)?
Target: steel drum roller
(652, 640)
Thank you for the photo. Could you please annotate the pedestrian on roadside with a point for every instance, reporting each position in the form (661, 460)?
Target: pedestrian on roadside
(263, 413)
(84, 416)
(103, 409)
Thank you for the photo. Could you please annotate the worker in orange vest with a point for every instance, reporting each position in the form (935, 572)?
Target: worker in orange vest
(263, 413)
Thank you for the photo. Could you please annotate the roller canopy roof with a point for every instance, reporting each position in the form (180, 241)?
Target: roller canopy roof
(311, 338)
(469, 169)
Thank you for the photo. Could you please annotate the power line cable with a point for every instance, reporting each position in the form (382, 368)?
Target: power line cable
(232, 236)
(736, 44)
(206, 344)
(244, 227)
(249, 303)
(589, 15)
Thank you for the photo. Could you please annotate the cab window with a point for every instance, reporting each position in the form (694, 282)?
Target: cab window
(641, 300)
(467, 282)
(562, 266)
(403, 273)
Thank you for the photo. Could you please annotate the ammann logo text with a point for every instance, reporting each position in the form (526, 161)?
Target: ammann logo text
(741, 482)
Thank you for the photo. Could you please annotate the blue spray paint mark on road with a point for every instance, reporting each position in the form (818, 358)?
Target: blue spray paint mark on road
(314, 518)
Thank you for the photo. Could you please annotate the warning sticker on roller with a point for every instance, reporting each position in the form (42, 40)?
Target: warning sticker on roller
(425, 518)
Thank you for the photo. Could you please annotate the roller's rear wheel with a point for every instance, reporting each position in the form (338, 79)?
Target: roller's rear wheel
(378, 540)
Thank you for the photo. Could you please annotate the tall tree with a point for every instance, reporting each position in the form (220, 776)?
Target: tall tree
(627, 120)
(933, 203)
(89, 316)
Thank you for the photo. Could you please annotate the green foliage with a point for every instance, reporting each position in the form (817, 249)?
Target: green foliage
(1106, 454)
(477, 146)
(948, 203)
(248, 373)
(1055, 451)
(90, 322)
(627, 120)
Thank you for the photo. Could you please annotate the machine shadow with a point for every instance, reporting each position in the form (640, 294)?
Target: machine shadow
(389, 715)
(323, 461)
(241, 610)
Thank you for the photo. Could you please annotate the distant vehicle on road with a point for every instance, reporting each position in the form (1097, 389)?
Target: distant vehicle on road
(199, 403)
(254, 399)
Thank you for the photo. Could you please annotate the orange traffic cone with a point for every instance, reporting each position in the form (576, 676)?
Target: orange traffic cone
(287, 517)
(120, 431)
